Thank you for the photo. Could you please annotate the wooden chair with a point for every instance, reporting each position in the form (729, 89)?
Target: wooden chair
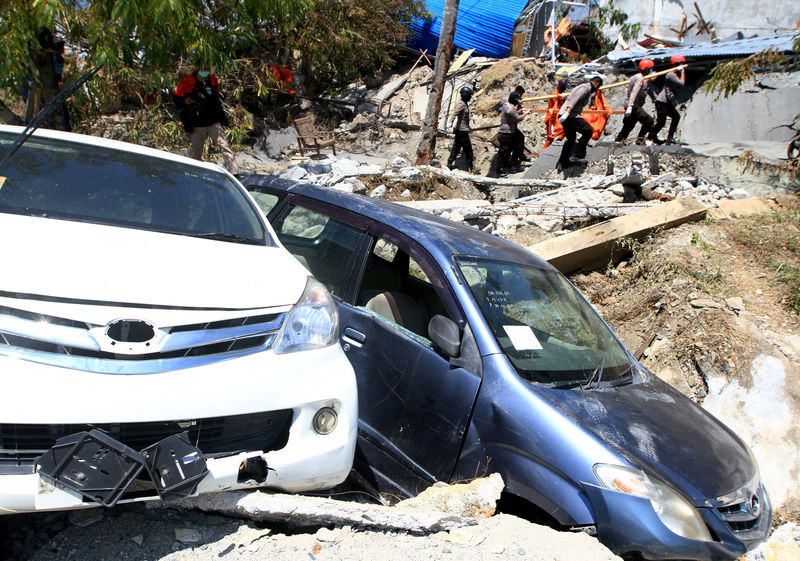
(310, 138)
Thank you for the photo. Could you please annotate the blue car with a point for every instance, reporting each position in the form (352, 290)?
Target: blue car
(473, 356)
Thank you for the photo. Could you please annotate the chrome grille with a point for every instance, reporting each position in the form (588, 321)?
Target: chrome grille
(744, 514)
(66, 343)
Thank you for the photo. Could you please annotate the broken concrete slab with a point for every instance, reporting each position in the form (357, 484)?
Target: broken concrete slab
(317, 511)
(748, 114)
(475, 499)
(596, 245)
(444, 507)
(746, 207)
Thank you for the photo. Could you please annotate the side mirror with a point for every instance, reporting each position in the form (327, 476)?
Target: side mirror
(444, 333)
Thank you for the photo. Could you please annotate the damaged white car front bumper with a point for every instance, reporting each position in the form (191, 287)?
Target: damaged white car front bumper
(282, 421)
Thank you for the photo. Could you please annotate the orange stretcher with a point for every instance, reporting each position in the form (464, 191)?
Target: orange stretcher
(597, 116)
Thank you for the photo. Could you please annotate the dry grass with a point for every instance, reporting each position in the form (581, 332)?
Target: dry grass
(773, 239)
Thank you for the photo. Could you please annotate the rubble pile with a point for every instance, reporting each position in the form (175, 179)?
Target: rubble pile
(504, 205)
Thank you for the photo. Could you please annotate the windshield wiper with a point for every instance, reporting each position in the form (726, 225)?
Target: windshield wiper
(221, 236)
(590, 383)
(46, 111)
(622, 380)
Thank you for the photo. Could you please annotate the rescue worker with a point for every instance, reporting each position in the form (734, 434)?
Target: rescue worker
(570, 118)
(638, 90)
(510, 116)
(461, 129)
(665, 102)
(553, 129)
(517, 153)
(202, 115)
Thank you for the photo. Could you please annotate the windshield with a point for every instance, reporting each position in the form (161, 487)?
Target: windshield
(74, 181)
(545, 327)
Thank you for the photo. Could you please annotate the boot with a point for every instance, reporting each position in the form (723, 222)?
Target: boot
(670, 140)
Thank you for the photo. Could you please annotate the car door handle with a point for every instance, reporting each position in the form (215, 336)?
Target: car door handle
(353, 337)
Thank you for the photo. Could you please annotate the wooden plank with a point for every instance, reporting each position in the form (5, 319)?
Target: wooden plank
(460, 61)
(595, 246)
(608, 86)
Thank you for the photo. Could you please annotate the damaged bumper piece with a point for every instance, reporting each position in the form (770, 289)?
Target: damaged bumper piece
(101, 468)
(240, 433)
(628, 524)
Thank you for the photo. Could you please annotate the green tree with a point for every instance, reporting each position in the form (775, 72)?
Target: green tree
(143, 40)
(343, 40)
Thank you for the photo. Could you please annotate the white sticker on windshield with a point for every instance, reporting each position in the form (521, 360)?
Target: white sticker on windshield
(522, 337)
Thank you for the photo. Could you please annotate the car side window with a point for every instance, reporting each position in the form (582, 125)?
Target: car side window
(265, 201)
(322, 244)
(396, 287)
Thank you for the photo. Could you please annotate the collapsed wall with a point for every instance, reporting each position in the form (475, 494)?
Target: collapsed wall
(761, 110)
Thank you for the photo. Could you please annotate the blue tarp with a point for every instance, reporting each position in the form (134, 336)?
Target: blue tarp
(483, 25)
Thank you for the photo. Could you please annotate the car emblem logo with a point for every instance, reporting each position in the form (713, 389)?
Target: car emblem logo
(130, 331)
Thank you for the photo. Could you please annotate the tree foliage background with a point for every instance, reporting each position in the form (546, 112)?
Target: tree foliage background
(146, 46)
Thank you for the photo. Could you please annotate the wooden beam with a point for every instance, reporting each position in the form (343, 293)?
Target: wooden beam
(595, 246)
(608, 86)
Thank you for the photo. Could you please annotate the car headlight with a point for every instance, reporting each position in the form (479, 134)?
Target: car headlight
(312, 323)
(675, 512)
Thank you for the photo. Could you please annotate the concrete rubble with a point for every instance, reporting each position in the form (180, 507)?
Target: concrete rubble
(503, 205)
(782, 545)
(441, 507)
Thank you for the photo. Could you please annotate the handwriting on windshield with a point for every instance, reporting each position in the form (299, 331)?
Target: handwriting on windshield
(497, 298)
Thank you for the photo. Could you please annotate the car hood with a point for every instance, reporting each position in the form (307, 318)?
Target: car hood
(663, 432)
(65, 260)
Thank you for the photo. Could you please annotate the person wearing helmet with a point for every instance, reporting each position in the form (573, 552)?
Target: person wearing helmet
(665, 102)
(638, 90)
(507, 136)
(570, 118)
(460, 118)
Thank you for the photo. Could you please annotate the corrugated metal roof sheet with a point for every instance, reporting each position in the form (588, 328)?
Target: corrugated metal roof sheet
(483, 25)
(782, 42)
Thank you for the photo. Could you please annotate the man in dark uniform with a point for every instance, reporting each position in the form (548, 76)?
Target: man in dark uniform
(665, 102)
(638, 90)
(462, 141)
(570, 118)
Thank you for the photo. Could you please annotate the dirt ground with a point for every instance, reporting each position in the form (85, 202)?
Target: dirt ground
(669, 301)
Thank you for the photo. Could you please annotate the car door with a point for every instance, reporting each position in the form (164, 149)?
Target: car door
(414, 405)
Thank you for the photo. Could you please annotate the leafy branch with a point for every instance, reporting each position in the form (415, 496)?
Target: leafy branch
(728, 77)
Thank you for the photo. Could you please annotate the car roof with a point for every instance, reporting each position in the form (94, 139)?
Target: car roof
(436, 234)
(112, 144)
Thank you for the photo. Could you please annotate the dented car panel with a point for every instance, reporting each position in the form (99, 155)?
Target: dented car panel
(162, 342)
(473, 356)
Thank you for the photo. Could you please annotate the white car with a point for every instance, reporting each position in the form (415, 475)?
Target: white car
(156, 339)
